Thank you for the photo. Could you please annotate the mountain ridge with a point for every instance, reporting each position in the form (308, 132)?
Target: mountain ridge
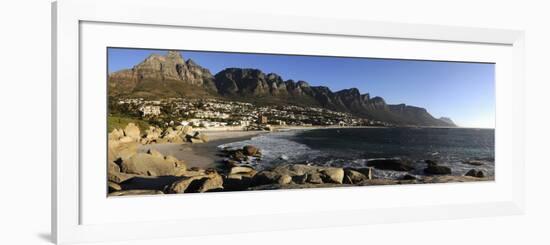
(172, 75)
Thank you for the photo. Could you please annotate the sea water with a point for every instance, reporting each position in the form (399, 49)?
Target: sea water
(354, 147)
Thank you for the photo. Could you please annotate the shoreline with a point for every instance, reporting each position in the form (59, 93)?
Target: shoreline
(137, 168)
(203, 155)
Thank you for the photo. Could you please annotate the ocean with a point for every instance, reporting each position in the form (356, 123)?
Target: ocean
(354, 147)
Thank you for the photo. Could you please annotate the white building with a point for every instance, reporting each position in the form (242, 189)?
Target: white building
(150, 110)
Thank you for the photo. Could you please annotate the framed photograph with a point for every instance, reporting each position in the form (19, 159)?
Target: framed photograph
(172, 125)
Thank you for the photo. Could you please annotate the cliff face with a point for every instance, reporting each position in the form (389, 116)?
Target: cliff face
(170, 75)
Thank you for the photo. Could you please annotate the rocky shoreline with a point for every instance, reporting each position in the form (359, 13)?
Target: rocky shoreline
(131, 172)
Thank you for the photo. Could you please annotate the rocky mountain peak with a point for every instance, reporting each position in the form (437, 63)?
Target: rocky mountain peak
(191, 62)
(175, 56)
(350, 92)
(171, 75)
(302, 84)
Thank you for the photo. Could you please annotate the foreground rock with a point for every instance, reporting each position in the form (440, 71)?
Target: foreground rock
(132, 173)
(435, 169)
(152, 164)
(135, 192)
(198, 183)
(475, 173)
(353, 176)
(333, 175)
(394, 164)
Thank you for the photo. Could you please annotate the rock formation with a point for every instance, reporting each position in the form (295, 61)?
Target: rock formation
(170, 75)
(130, 172)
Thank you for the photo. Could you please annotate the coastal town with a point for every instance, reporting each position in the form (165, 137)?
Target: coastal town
(224, 114)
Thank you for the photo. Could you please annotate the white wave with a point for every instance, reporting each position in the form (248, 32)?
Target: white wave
(276, 148)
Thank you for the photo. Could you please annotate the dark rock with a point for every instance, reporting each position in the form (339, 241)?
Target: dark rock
(472, 173)
(314, 178)
(265, 178)
(480, 174)
(437, 170)
(475, 173)
(236, 182)
(408, 177)
(239, 155)
(390, 164)
(250, 150)
(300, 179)
(186, 185)
(352, 176)
(114, 187)
(431, 162)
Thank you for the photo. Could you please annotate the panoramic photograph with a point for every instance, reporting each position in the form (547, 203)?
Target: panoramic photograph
(183, 121)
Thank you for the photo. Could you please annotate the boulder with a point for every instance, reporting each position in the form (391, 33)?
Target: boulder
(116, 134)
(170, 133)
(394, 164)
(135, 192)
(118, 177)
(250, 150)
(152, 135)
(182, 185)
(112, 167)
(229, 164)
(121, 152)
(155, 153)
(352, 176)
(193, 172)
(284, 179)
(149, 165)
(241, 170)
(112, 186)
(132, 131)
(430, 162)
(201, 136)
(178, 163)
(475, 173)
(314, 178)
(238, 155)
(265, 178)
(296, 169)
(186, 130)
(437, 170)
(194, 140)
(236, 182)
(332, 175)
(409, 177)
(213, 183)
(126, 139)
(300, 179)
(368, 171)
(480, 174)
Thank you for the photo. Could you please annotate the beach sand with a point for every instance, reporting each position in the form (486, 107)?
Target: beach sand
(202, 155)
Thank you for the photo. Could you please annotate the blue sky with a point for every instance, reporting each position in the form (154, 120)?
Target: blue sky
(465, 92)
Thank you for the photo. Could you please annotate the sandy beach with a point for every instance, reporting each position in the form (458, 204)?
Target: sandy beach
(204, 155)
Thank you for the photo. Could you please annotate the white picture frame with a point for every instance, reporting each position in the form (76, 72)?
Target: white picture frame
(69, 195)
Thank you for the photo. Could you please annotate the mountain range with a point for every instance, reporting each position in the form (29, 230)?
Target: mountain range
(171, 76)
